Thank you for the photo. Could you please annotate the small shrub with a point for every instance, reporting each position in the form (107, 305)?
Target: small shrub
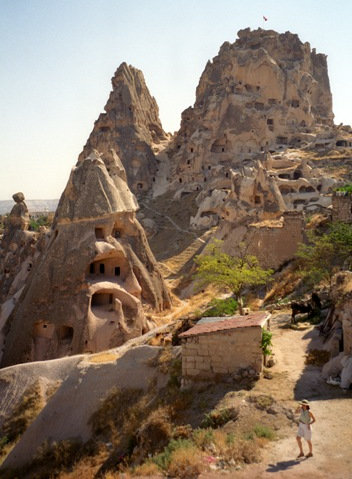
(221, 307)
(203, 438)
(149, 468)
(184, 431)
(219, 417)
(346, 188)
(266, 342)
(264, 431)
(35, 224)
(186, 463)
(230, 448)
(250, 451)
(154, 433)
(262, 401)
(163, 459)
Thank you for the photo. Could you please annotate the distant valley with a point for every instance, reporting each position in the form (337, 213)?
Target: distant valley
(34, 206)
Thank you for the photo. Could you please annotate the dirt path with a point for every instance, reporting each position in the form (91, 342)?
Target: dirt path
(332, 407)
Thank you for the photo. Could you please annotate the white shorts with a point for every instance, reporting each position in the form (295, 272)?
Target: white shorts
(304, 431)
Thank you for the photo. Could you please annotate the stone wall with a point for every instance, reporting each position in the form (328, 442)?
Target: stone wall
(222, 353)
(342, 207)
(276, 244)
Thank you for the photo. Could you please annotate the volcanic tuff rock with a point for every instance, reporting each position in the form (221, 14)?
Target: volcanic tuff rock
(19, 250)
(96, 278)
(263, 94)
(131, 126)
(263, 91)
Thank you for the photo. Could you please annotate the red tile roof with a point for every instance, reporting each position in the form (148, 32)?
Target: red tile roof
(232, 322)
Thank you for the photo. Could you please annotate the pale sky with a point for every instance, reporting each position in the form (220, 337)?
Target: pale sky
(57, 58)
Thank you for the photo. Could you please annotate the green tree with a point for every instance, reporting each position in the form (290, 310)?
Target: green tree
(234, 272)
(327, 253)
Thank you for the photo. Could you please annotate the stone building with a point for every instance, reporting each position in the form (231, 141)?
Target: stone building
(223, 347)
(342, 206)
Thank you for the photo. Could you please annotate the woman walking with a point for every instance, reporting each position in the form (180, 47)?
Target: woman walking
(306, 419)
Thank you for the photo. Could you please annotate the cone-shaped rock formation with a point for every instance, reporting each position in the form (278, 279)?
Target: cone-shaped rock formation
(96, 278)
(131, 126)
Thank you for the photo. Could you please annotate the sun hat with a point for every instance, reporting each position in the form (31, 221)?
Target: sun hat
(304, 402)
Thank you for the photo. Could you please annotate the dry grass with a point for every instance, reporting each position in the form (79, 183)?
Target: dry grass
(235, 449)
(186, 463)
(22, 416)
(317, 357)
(262, 401)
(104, 357)
(51, 459)
(149, 468)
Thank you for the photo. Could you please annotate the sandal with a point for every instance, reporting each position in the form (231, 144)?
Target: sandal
(301, 454)
(309, 455)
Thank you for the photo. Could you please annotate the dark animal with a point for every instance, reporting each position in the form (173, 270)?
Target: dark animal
(300, 308)
(312, 307)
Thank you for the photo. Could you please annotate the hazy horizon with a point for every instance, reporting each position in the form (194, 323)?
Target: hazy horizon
(58, 58)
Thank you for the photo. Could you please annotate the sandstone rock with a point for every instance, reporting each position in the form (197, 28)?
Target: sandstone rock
(131, 125)
(95, 278)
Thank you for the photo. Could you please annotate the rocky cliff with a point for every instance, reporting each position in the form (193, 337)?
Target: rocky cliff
(96, 279)
(264, 91)
(131, 126)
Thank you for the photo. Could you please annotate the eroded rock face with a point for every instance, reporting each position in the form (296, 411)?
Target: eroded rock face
(265, 90)
(19, 250)
(131, 126)
(96, 279)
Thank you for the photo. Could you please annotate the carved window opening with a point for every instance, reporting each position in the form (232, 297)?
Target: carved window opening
(295, 103)
(117, 271)
(270, 121)
(153, 179)
(180, 180)
(297, 174)
(140, 186)
(188, 162)
(257, 200)
(191, 150)
(92, 268)
(99, 233)
(65, 333)
(102, 268)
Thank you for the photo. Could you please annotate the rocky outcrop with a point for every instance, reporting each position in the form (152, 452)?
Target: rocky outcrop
(96, 280)
(131, 126)
(264, 91)
(337, 329)
(19, 249)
